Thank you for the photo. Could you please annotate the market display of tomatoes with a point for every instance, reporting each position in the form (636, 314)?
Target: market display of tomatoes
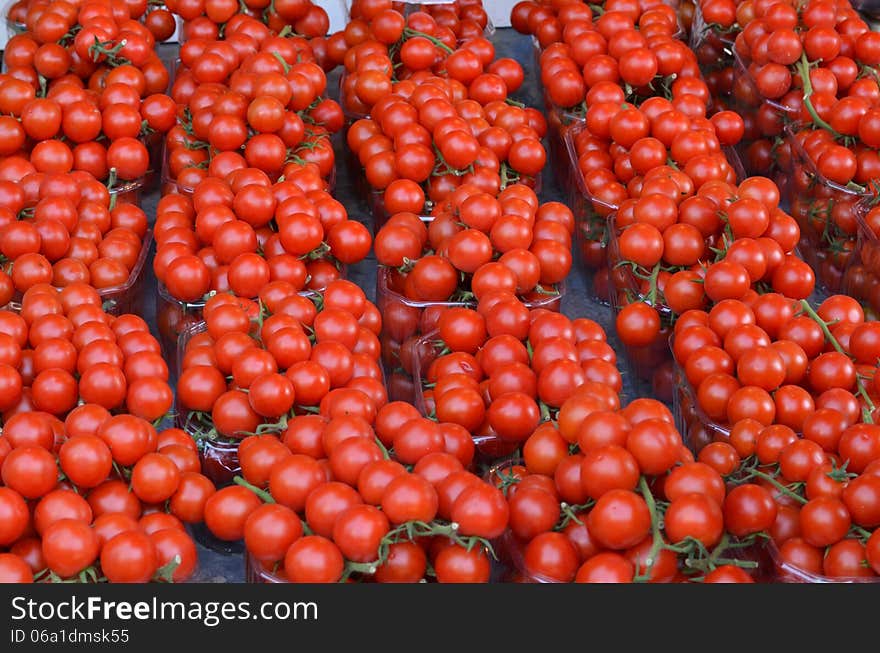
(84, 89)
(67, 228)
(290, 359)
(500, 370)
(612, 495)
(473, 245)
(254, 100)
(720, 166)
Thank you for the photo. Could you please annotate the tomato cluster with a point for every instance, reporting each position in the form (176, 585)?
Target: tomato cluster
(81, 390)
(333, 498)
(621, 153)
(251, 100)
(788, 392)
(740, 242)
(630, 43)
(815, 68)
(238, 234)
(473, 247)
(416, 149)
(610, 494)
(282, 357)
(84, 90)
(105, 520)
(205, 19)
(381, 46)
(500, 370)
(65, 229)
(775, 362)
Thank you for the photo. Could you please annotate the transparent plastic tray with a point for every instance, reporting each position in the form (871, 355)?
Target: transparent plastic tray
(816, 203)
(218, 456)
(712, 46)
(175, 317)
(13, 27)
(127, 297)
(696, 428)
(489, 448)
(256, 572)
(591, 219)
(862, 277)
(788, 573)
(404, 321)
(651, 361)
(508, 549)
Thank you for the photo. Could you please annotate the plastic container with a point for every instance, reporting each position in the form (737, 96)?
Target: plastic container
(696, 429)
(489, 448)
(713, 47)
(127, 192)
(352, 114)
(175, 318)
(826, 213)
(652, 363)
(559, 120)
(13, 27)
(424, 353)
(218, 456)
(591, 221)
(765, 121)
(746, 89)
(405, 321)
(862, 277)
(257, 572)
(168, 185)
(510, 565)
(129, 296)
(787, 573)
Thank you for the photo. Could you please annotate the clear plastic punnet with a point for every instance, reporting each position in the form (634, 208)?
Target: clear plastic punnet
(218, 456)
(696, 428)
(827, 215)
(405, 321)
(128, 297)
(862, 276)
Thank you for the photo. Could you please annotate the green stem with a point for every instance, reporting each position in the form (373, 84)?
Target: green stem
(282, 62)
(779, 486)
(657, 537)
(805, 305)
(411, 33)
(803, 67)
(652, 288)
(265, 496)
(111, 182)
(383, 449)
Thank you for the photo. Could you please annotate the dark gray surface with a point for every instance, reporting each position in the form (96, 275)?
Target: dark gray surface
(215, 567)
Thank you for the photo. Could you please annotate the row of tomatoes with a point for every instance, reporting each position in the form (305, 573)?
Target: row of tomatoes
(85, 473)
(295, 377)
(94, 489)
(739, 411)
